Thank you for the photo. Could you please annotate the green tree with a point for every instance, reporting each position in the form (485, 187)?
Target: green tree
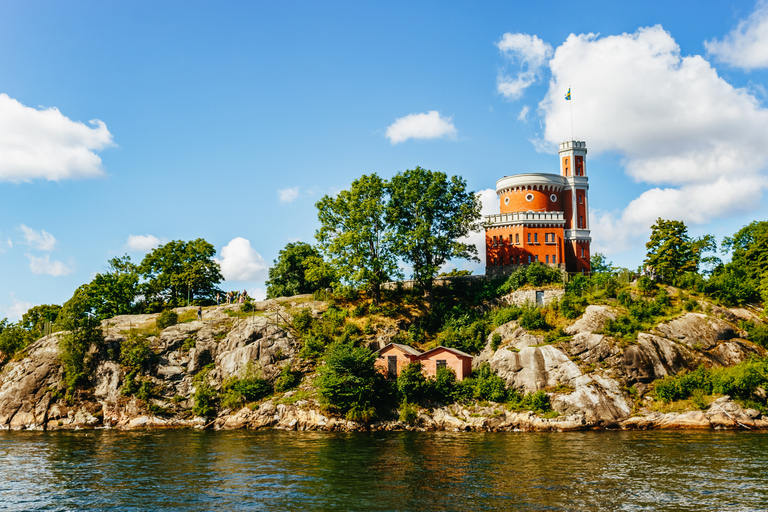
(355, 236)
(672, 252)
(84, 332)
(349, 383)
(749, 253)
(13, 338)
(430, 213)
(599, 264)
(299, 268)
(35, 318)
(113, 292)
(178, 271)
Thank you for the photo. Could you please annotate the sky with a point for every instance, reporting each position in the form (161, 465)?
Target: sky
(124, 125)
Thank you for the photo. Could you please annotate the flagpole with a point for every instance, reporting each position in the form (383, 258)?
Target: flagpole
(570, 100)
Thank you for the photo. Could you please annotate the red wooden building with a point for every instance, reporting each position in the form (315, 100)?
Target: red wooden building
(394, 357)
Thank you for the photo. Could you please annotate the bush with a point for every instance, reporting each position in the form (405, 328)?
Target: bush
(757, 334)
(486, 385)
(505, 315)
(495, 341)
(13, 339)
(247, 307)
(349, 383)
(135, 352)
(166, 319)
(464, 334)
(408, 413)
(571, 306)
(535, 274)
(533, 319)
(445, 387)
(205, 396)
(411, 383)
(288, 379)
(646, 285)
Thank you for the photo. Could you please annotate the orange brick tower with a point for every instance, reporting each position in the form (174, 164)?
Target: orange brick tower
(544, 217)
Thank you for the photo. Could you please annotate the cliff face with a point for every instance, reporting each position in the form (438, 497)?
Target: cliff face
(593, 380)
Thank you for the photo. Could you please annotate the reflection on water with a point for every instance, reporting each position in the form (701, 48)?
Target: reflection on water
(272, 470)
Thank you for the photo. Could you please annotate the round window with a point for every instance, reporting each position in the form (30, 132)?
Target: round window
(529, 197)
(506, 200)
(553, 198)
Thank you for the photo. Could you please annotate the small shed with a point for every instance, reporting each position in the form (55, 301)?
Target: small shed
(394, 357)
(453, 358)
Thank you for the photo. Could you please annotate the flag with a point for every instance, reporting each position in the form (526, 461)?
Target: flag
(568, 94)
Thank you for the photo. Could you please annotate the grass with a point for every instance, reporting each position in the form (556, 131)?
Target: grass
(299, 394)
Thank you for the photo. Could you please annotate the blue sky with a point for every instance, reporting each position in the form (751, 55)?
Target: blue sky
(127, 124)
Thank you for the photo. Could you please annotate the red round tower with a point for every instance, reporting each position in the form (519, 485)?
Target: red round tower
(543, 217)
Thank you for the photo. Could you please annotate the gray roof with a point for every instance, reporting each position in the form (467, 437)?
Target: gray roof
(449, 349)
(404, 348)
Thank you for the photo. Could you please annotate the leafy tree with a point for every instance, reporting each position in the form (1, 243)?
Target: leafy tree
(749, 248)
(35, 318)
(179, 270)
(671, 252)
(599, 264)
(430, 213)
(412, 385)
(349, 382)
(299, 268)
(84, 332)
(13, 338)
(114, 291)
(355, 236)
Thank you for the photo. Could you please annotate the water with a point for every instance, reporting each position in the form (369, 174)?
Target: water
(274, 470)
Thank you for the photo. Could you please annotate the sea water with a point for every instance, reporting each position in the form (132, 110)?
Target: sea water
(276, 470)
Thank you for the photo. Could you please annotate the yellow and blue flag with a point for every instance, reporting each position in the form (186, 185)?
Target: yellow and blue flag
(568, 94)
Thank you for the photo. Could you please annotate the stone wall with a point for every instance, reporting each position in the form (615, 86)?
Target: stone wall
(528, 296)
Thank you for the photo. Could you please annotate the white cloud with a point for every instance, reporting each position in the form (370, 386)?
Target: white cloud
(40, 240)
(44, 265)
(288, 195)
(45, 144)
(490, 206)
(429, 125)
(523, 115)
(142, 243)
(696, 139)
(531, 53)
(747, 45)
(16, 309)
(5, 245)
(257, 293)
(240, 262)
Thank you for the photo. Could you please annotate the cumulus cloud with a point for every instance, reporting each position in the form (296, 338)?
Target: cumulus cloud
(240, 262)
(288, 195)
(490, 206)
(697, 140)
(5, 245)
(45, 144)
(142, 243)
(428, 125)
(16, 309)
(44, 265)
(531, 53)
(40, 240)
(746, 46)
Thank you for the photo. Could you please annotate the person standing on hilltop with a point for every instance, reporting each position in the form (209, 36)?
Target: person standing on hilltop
(199, 312)
(217, 299)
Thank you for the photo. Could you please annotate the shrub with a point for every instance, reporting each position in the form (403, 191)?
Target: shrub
(464, 334)
(240, 390)
(288, 379)
(646, 285)
(13, 338)
(247, 307)
(533, 318)
(486, 385)
(445, 387)
(411, 383)
(571, 306)
(349, 383)
(408, 413)
(135, 352)
(691, 304)
(205, 396)
(505, 315)
(756, 333)
(495, 341)
(535, 274)
(166, 319)
(302, 321)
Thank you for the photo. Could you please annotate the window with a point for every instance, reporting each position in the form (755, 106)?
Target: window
(529, 238)
(581, 222)
(506, 200)
(547, 258)
(537, 257)
(581, 199)
(553, 198)
(554, 258)
(441, 363)
(535, 238)
(529, 197)
(495, 241)
(582, 252)
(529, 258)
(517, 238)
